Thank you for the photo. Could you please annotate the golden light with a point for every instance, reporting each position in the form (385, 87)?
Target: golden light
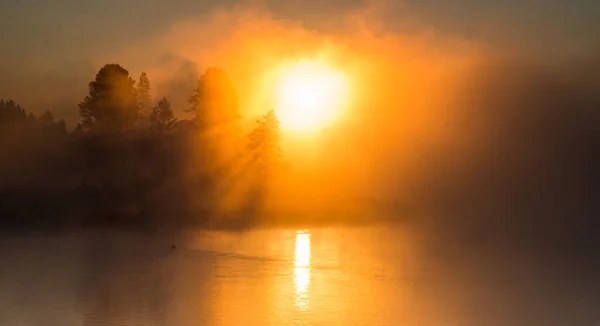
(311, 95)
(302, 269)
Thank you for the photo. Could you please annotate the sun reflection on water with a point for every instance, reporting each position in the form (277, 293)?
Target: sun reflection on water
(302, 269)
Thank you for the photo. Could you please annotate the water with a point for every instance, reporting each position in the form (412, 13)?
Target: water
(337, 276)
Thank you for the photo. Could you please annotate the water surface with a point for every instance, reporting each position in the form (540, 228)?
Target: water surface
(327, 276)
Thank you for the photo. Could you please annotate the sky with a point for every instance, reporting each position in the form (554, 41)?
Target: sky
(481, 108)
(53, 48)
(446, 95)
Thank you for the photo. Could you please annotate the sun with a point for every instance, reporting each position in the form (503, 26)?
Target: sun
(310, 96)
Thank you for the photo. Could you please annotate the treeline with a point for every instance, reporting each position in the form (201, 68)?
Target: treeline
(130, 161)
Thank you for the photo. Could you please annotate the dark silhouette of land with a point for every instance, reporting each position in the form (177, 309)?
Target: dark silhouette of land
(130, 161)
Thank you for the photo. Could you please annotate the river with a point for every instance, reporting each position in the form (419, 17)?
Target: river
(327, 276)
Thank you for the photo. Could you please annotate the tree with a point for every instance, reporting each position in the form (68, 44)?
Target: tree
(11, 112)
(31, 118)
(144, 98)
(214, 104)
(50, 125)
(214, 99)
(111, 104)
(265, 142)
(162, 118)
(78, 131)
(47, 119)
(61, 127)
(266, 157)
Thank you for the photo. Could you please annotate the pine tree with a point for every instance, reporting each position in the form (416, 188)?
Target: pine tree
(12, 112)
(214, 100)
(265, 142)
(31, 118)
(162, 118)
(214, 105)
(144, 98)
(78, 131)
(61, 127)
(47, 119)
(111, 103)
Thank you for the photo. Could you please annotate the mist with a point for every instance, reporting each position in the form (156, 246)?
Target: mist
(148, 175)
(442, 122)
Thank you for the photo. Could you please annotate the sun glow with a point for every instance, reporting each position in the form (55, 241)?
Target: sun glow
(310, 96)
(302, 269)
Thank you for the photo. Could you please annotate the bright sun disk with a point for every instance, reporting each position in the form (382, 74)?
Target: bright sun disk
(310, 96)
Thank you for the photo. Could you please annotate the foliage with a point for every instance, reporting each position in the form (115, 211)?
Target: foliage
(111, 104)
(214, 99)
(30, 144)
(126, 162)
(265, 141)
(11, 112)
(144, 98)
(162, 118)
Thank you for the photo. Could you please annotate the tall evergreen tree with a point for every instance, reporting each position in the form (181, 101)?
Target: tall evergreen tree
(162, 118)
(31, 118)
(47, 119)
(265, 142)
(214, 104)
(61, 127)
(11, 112)
(78, 131)
(144, 98)
(214, 100)
(111, 103)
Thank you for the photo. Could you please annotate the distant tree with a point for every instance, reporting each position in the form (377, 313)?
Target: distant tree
(11, 112)
(214, 100)
(50, 125)
(32, 118)
(144, 98)
(111, 103)
(162, 118)
(265, 142)
(61, 127)
(47, 119)
(78, 131)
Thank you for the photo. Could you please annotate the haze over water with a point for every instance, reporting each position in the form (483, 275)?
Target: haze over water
(335, 276)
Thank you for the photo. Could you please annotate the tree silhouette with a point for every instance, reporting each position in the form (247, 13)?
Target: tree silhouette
(127, 161)
(61, 127)
(31, 118)
(265, 142)
(162, 118)
(144, 98)
(47, 119)
(214, 99)
(48, 124)
(111, 103)
(11, 112)
(78, 131)
(214, 104)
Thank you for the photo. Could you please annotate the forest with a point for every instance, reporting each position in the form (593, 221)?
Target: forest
(131, 162)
